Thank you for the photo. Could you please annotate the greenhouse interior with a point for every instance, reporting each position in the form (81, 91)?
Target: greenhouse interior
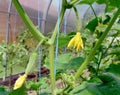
(59, 47)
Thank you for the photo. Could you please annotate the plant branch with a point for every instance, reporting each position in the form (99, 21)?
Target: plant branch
(89, 57)
(51, 42)
(39, 44)
(77, 19)
(73, 2)
(51, 60)
(53, 37)
(99, 62)
(93, 10)
(25, 18)
(109, 45)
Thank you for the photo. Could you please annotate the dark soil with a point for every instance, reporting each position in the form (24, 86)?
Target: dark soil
(10, 80)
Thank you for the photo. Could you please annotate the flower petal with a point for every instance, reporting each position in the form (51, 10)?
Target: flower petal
(72, 41)
(19, 82)
(76, 42)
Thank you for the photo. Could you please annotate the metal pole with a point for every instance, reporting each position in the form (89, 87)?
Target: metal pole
(43, 22)
(15, 23)
(42, 29)
(8, 23)
(7, 35)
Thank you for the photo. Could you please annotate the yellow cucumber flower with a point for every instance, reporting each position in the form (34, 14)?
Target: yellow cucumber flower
(20, 81)
(76, 42)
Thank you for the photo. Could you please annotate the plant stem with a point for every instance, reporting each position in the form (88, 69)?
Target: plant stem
(99, 62)
(51, 60)
(103, 55)
(109, 45)
(33, 29)
(39, 44)
(77, 19)
(51, 42)
(93, 10)
(73, 2)
(89, 57)
(10, 80)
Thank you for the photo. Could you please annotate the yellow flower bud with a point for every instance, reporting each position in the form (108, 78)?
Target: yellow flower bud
(20, 81)
(76, 42)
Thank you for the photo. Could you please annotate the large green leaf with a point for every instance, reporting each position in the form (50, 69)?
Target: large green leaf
(115, 3)
(3, 91)
(109, 85)
(92, 24)
(19, 91)
(114, 68)
(67, 62)
(63, 41)
(63, 61)
(101, 1)
(75, 63)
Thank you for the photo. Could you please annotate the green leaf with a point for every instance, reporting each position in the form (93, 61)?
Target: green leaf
(19, 91)
(109, 8)
(101, 1)
(92, 24)
(88, 2)
(101, 28)
(109, 85)
(107, 19)
(63, 61)
(63, 41)
(35, 85)
(115, 3)
(75, 63)
(86, 89)
(66, 62)
(116, 27)
(114, 68)
(3, 91)
(115, 51)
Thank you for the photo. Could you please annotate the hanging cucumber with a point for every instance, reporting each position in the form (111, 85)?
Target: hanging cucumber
(31, 62)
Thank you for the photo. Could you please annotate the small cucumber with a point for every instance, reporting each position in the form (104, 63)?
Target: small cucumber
(31, 62)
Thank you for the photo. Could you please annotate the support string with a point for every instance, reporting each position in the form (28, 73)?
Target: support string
(56, 51)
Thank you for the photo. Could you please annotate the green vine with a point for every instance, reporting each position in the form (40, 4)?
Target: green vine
(90, 56)
(78, 26)
(25, 18)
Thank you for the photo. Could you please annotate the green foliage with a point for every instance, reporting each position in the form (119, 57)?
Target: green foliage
(31, 62)
(42, 83)
(75, 63)
(68, 79)
(115, 3)
(19, 91)
(89, 2)
(101, 1)
(63, 41)
(15, 52)
(3, 91)
(92, 24)
(67, 62)
(116, 27)
(114, 68)
(63, 61)
(109, 85)
(104, 84)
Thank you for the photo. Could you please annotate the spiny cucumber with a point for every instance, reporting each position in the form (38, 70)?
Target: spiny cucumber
(31, 62)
